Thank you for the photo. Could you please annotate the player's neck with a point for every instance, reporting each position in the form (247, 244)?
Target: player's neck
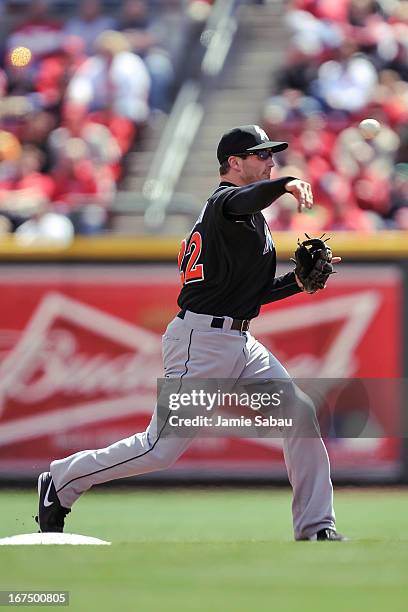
(233, 178)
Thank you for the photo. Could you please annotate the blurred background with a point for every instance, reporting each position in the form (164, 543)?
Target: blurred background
(110, 114)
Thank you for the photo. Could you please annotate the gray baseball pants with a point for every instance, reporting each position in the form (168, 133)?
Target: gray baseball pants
(192, 348)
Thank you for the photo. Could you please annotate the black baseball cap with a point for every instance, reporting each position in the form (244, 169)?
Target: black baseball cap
(245, 139)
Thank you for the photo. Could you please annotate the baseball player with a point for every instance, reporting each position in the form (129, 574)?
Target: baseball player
(227, 267)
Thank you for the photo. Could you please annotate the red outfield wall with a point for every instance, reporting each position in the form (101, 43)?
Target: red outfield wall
(80, 352)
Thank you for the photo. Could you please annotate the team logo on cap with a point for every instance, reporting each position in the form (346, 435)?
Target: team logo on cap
(261, 132)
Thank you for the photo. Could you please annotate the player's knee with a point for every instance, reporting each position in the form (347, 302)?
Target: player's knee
(305, 414)
(164, 460)
(305, 402)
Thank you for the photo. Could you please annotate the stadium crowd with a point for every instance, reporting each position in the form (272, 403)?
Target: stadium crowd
(69, 115)
(347, 60)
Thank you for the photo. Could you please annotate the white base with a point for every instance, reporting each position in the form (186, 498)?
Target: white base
(30, 539)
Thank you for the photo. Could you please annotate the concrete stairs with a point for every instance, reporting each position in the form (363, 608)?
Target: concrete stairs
(139, 160)
(237, 99)
(258, 50)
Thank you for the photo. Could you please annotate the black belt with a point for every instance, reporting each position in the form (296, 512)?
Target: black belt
(241, 325)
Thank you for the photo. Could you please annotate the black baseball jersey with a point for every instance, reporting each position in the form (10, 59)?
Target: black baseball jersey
(228, 262)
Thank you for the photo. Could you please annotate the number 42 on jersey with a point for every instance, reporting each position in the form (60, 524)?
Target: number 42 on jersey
(190, 270)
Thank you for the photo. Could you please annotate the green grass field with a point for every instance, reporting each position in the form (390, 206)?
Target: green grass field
(210, 550)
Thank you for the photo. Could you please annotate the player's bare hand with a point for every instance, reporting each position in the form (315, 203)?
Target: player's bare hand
(302, 191)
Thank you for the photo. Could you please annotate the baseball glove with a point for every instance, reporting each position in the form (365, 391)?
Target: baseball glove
(313, 263)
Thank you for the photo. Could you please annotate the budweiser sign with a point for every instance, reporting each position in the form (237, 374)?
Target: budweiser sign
(80, 353)
(48, 359)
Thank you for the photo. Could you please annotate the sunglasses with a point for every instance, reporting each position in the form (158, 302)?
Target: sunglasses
(263, 155)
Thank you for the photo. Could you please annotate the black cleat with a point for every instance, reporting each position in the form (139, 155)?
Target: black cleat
(326, 535)
(329, 534)
(51, 514)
